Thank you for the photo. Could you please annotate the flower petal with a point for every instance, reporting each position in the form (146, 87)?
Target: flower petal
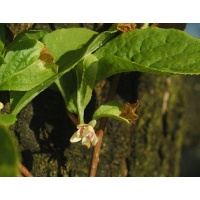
(81, 125)
(75, 137)
(92, 123)
(86, 141)
(94, 140)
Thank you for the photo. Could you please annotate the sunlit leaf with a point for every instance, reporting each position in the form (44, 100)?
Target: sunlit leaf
(152, 50)
(67, 53)
(115, 110)
(24, 67)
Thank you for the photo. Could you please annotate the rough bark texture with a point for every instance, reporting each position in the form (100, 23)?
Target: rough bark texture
(151, 146)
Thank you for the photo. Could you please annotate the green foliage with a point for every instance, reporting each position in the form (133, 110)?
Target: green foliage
(65, 45)
(23, 68)
(7, 119)
(65, 56)
(30, 65)
(31, 34)
(2, 37)
(86, 76)
(9, 154)
(2, 41)
(76, 59)
(112, 109)
(152, 50)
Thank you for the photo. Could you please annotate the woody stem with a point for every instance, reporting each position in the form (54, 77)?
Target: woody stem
(100, 132)
(24, 171)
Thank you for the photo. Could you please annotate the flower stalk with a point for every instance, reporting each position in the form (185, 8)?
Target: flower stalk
(100, 132)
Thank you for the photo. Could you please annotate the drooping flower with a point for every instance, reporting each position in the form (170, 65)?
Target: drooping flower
(85, 133)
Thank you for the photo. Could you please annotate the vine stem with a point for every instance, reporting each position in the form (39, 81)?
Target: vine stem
(73, 118)
(24, 171)
(100, 131)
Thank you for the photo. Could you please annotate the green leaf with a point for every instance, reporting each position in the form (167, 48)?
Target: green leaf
(21, 99)
(1, 60)
(9, 154)
(101, 39)
(7, 119)
(30, 34)
(63, 43)
(110, 65)
(63, 47)
(2, 37)
(112, 109)
(86, 76)
(26, 35)
(67, 86)
(152, 50)
(27, 65)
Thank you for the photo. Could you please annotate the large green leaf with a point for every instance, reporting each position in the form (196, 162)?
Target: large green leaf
(9, 154)
(110, 65)
(152, 50)
(63, 43)
(111, 109)
(27, 65)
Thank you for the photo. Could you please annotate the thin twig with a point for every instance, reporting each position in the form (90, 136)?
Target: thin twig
(73, 118)
(100, 132)
(24, 171)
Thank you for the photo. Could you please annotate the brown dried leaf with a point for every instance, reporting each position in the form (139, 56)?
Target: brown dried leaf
(129, 111)
(126, 27)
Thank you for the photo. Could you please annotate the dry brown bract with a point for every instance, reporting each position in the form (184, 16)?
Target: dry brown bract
(129, 111)
(126, 27)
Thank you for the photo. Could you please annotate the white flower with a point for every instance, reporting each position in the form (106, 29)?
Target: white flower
(1, 105)
(85, 133)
